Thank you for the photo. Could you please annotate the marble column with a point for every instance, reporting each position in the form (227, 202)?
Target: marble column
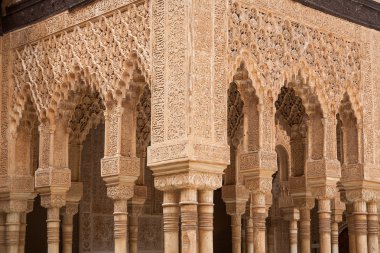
(53, 223)
(120, 216)
(292, 215)
(206, 217)
(259, 215)
(136, 208)
(170, 209)
(67, 227)
(338, 208)
(13, 232)
(373, 228)
(2, 233)
(334, 237)
(236, 233)
(21, 248)
(189, 220)
(305, 230)
(293, 236)
(133, 232)
(249, 233)
(360, 221)
(324, 214)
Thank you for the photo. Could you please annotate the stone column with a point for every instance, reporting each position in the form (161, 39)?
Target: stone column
(170, 209)
(21, 248)
(249, 233)
(292, 215)
(338, 208)
(259, 214)
(13, 232)
(324, 214)
(189, 220)
(373, 228)
(305, 230)
(120, 216)
(360, 221)
(235, 197)
(67, 226)
(135, 207)
(206, 220)
(2, 233)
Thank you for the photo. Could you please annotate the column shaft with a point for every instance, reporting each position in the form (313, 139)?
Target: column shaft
(305, 230)
(206, 220)
(67, 233)
(334, 237)
(293, 236)
(360, 220)
(324, 213)
(189, 221)
(13, 232)
(236, 233)
(170, 210)
(373, 228)
(120, 216)
(2, 233)
(53, 229)
(21, 248)
(133, 233)
(351, 233)
(249, 235)
(259, 215)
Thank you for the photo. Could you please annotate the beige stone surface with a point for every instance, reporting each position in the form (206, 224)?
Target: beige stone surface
(273, 101)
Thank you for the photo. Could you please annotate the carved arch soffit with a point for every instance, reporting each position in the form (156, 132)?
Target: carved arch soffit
(277, 51)
(101, 55)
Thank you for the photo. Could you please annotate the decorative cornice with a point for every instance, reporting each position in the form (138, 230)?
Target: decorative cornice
(362, 12)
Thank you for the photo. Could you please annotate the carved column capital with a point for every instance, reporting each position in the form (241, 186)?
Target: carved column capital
(53, 200)
(120, 191)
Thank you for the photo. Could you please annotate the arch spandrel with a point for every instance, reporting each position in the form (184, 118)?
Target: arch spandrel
(281, 50)
(102, 53)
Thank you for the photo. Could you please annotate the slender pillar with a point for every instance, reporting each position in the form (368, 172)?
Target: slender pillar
(305, 230)
(373, 228)
(249, 234)
(21, 248)
(189, 220)
(2, 233)
(293, 236)
(259, 214)
(351, 228)
(236, 233)
(67, 227)
(13, 232)
(120, 216)
(360, 221)
(171, 222)
(324, 213)
(334, 237)
(206, 218)
(135, 210)
(53, 229)
(133, 233)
